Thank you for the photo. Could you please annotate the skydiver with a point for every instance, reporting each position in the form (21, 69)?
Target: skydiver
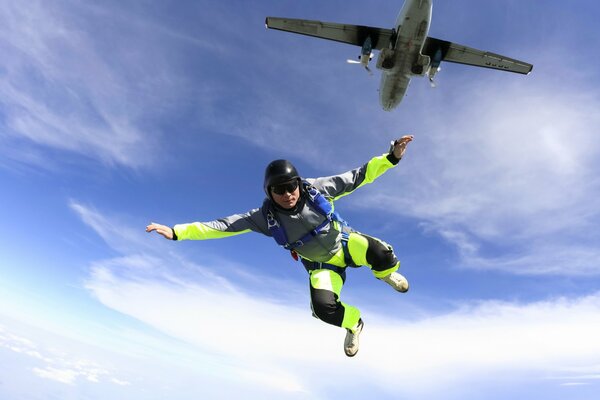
(298, 213)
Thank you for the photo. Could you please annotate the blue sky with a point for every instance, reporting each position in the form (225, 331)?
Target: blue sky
(116, 114)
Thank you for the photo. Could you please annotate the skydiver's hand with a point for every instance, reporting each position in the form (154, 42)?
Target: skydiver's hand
(163, 230)
(400, 145)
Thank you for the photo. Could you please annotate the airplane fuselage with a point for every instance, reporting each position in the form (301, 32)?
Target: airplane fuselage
(404, 60)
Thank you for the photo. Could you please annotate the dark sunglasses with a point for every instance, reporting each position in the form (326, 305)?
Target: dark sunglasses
(282, 188)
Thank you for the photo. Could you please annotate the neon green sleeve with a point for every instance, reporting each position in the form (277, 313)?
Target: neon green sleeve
(341, 185)
(223, 227)
(376, 167)
(200, 231)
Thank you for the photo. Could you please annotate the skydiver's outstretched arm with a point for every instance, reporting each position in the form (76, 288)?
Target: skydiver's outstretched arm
(337, 186)
(165, 231)
(220, 228)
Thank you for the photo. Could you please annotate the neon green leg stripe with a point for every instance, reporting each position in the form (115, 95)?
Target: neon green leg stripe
(358, 245)
(338, 259)
(381, 274)
(351, 316)
(329, 280)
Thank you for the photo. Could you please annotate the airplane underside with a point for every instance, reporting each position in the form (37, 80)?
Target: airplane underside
(405, 51)
(392, 89)
(398, 66)
(395, 77)
(405, 60)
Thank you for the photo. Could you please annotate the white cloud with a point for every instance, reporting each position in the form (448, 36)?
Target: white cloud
(478, 339)
(70, 85)
(118, 236)
(279, 345)
(57, 364)
(100, 82)
(578, 375)
(512, 167)
(120, 382)
(66, 376)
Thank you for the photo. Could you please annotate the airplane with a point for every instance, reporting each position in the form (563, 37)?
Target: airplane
(404, 52)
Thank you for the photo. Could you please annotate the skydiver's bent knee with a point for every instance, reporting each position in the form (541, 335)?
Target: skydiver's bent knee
(379, 255)
(326, 306)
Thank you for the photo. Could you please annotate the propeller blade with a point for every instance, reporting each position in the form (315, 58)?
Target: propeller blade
(352, 62)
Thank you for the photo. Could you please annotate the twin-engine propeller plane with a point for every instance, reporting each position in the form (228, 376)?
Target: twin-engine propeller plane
(405, 51)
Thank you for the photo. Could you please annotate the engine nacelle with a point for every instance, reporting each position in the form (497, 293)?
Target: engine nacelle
(364, 59)
(421, 65)
(434, 67)
(365, 55)
(386, 60)
(366, 52)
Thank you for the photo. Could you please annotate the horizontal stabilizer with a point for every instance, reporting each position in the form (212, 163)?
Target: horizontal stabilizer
(351, 34)
(452, 52)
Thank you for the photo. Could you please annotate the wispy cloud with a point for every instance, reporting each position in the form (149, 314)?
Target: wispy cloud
(516, 175)
(118, 236)
(265, 337)
(57, 365)
(71, 84)
(577, 376)
(102, 82)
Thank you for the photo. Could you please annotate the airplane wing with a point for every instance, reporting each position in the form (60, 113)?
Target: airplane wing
(351, 34)
(457, 53)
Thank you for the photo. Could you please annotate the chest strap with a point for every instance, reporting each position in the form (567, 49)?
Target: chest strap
(317, 201)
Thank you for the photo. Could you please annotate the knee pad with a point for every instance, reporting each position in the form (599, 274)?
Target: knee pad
(379, 255)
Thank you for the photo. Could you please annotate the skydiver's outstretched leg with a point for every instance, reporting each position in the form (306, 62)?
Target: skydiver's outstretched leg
(325, 288)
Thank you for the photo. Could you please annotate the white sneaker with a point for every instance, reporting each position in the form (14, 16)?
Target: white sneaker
(351, 341)
(396, 281)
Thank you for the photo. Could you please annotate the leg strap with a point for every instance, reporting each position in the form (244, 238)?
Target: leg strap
(314, 265)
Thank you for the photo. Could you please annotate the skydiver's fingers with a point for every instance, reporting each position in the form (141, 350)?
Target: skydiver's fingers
(400, 145)
(152, 227)
(403, 141)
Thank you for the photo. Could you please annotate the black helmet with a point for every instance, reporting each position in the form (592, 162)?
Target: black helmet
(279, 171)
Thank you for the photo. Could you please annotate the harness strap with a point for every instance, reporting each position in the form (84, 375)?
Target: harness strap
(314, 265)
(324, 207)
(273, 225)
(347, 257)
(309, 235)
(317, 201)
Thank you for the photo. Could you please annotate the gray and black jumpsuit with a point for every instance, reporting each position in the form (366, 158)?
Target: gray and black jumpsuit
(324, 256)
